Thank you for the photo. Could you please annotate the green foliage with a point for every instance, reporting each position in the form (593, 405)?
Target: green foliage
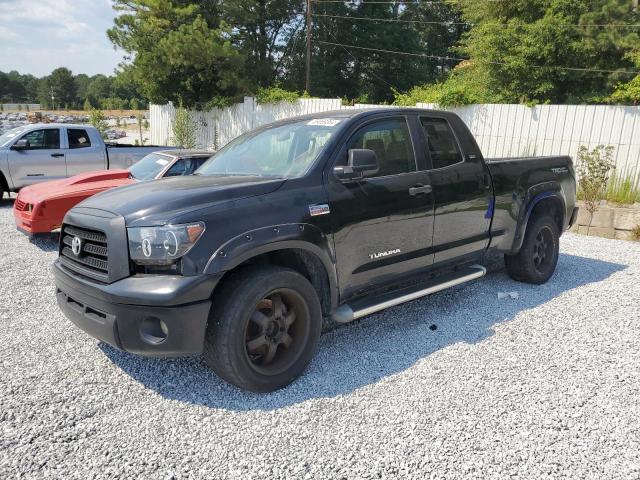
(180, 52)
(87, 105)
(594, 169)
(114, 103)
(58, 89)
(463, 86)
(622, 190)
(509, 37)
(635, 233)
(275, 95)
(626, 93)
(184, 129)
(98, 120)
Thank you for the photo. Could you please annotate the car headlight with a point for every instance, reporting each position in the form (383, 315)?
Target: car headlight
(162, 245)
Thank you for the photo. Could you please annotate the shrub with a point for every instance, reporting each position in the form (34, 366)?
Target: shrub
(635, 233)
(594, 168)
(184, 129)
(99, 121)
(464, 85)
(275, 95)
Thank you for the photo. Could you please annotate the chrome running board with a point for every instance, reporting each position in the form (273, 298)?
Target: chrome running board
(361, 308)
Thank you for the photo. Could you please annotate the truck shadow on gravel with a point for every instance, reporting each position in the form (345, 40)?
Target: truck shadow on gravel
(384, 344)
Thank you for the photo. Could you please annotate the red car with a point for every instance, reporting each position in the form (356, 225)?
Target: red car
(40, 208)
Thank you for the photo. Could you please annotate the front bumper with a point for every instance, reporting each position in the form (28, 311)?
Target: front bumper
(151, 315)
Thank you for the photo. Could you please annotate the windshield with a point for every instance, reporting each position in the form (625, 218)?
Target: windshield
(9, 135)
(149, 167)
(284, 151)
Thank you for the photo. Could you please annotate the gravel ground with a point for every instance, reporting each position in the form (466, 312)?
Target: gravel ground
(546, 385)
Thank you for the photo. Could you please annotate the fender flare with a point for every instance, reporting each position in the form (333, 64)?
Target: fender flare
(535, 195)
(301, 236)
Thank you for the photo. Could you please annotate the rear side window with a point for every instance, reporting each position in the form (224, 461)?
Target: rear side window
(391, 142)
(45, 139)
(185, 166)
(443, 147)
(78, 138)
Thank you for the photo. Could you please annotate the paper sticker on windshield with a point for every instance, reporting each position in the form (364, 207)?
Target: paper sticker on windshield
(324, 122)
(316, 210)
(160, 161)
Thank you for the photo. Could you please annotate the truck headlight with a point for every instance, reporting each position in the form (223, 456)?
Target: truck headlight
(162, 245)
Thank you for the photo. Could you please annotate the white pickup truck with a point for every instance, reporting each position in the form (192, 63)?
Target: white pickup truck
(36, 153)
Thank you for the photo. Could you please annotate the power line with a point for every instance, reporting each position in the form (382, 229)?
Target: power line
(441, 2)
(578, 25)
(438, 57)
(390, 20)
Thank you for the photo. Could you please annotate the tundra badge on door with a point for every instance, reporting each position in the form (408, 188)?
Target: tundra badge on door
(373, 256)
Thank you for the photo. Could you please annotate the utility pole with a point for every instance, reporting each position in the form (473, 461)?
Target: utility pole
(307, 81)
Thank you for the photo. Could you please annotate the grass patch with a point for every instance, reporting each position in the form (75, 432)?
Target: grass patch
(623, 190)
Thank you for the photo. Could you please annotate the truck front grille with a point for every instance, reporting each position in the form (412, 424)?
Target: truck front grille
(92, 259)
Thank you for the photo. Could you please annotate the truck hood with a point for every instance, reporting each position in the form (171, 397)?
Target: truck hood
(71, 187)
(160, 201)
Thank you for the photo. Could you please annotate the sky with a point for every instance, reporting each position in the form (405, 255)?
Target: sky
(37, 36)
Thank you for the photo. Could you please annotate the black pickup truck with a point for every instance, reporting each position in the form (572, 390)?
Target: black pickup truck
(303, 223)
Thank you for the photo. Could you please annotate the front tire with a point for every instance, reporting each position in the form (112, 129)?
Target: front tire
(537, 259)
(263, 329)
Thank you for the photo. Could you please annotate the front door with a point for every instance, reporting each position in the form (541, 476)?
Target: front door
(462, 193)
(42, 160)
(383, 223)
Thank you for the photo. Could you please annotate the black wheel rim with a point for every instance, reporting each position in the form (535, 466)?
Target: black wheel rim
(277, 331)
(543, 250)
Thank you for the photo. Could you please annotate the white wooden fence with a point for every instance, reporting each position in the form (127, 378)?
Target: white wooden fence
(501, 130)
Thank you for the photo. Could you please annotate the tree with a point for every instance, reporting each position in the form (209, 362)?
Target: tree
(99, 121)
(99, 88)
(62, 86)
(532, 51)
(184, 129)
(178, 51)
(338, 69)
(258, 29)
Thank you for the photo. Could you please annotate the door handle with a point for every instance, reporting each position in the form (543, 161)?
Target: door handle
(420, 190)
(57, 154)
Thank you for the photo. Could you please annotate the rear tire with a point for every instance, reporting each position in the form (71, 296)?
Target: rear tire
(263, 328)
(537, 259)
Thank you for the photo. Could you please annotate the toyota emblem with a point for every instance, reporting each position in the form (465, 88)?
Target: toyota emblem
(76, 246)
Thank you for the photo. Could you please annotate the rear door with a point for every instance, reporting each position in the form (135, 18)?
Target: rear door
(42, 160)
(382, 230)
(83, 154)
(462, 193)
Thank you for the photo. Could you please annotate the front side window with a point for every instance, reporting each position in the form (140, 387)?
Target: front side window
(46, 139)
(391, 141)
(78, 138)
(443, 147)
(286, 151)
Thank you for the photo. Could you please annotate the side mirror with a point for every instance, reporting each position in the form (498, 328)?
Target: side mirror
(21, 144)
(361, 163)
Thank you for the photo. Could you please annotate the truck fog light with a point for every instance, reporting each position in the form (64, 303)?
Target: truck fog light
(153, 331)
